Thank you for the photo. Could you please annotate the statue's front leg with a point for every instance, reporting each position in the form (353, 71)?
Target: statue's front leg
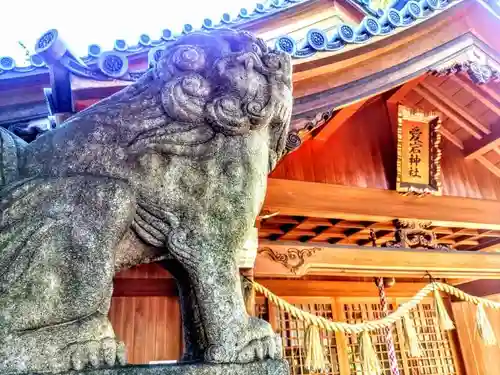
(231, 335)
(195, 340)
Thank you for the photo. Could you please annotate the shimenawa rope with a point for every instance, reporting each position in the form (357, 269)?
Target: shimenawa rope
(398, 314)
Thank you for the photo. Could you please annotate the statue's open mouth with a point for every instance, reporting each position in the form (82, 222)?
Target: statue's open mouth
(192, 140)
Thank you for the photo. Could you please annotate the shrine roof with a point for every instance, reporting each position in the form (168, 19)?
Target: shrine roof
(10, 69)
(398, 16)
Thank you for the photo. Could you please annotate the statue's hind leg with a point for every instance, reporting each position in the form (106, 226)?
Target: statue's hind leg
(57, 241)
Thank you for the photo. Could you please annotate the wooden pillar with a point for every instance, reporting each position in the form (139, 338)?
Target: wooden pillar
(478, 359)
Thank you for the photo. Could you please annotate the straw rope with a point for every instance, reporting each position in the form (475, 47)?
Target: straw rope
(401, 311)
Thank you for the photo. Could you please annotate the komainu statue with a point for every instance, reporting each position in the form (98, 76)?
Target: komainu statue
(173, 167)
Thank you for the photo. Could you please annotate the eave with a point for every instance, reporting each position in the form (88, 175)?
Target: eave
(338, 80)
(331, 80)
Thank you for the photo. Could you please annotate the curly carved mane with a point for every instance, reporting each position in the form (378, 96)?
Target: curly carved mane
(199, 89)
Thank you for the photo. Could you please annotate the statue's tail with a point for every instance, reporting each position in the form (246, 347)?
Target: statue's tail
(11, 153)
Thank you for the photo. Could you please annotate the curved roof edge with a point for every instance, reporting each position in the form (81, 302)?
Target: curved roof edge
(391, 21)
(261, 10)
(465, 53)
(109, 65)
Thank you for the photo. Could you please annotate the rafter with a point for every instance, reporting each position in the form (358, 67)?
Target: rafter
(445, 109)
(476, 91)
(488, 164)
(474, 148)
(491, 92)
(338, 120)
(400, 93)
(399, 97)
(456, 107)
(451, 137)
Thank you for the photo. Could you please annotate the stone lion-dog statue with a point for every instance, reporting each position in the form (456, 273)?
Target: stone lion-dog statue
(172, 167)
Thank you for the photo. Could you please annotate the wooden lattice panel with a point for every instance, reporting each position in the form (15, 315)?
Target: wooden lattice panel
(358, 313)
(437, 358)
(293, 332)
(346, 232)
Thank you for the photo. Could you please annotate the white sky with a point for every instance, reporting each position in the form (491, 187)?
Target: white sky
(85, 22)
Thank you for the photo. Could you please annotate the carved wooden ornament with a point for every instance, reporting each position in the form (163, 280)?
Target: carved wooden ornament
(415, 234)
(293, 260)
(419, 153)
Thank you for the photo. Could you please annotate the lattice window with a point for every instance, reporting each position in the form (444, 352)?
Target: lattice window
(293, 331)
(357, 313)
(438, 355)
(437, 358)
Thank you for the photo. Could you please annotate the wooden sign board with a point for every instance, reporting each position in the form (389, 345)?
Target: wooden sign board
(419, 152)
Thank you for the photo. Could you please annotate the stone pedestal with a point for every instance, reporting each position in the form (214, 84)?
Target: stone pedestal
(268, 367)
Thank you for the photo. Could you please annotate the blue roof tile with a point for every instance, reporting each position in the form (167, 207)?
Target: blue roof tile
(106, 65)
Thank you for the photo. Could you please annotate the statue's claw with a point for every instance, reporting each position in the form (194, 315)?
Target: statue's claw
(104, 353)
(267, 347)
(263, 344)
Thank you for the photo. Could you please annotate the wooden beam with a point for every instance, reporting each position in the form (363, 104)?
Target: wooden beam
(473, 89)
(405, 89)
(338, 120)
(398, 97)
(480, 288)
(144, 287)
(327, 288)
(490, 91)
(456, 107)
(353, 260)
(451, 137)
(489, 165)
(299, 198)
(448, 111)
(474, 148)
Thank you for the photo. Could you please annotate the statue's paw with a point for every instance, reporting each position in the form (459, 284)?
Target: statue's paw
(107, 352)
(267, 347)
(256, 341)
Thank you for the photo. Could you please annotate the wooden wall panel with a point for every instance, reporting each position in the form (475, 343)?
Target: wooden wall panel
(363, 153)
(466, 178)
(149, 326)
(478, 358)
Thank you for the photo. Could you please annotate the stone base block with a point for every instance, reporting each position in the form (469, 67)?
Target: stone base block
(268, 367)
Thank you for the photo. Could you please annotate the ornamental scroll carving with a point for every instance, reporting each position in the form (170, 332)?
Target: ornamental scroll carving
(478, 65)
(294, 259)
(414, 234)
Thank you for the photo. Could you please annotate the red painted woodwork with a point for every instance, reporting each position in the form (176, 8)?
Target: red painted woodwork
(362, 153)
(149, 326)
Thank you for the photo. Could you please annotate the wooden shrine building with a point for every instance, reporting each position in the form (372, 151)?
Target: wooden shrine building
(376, 86)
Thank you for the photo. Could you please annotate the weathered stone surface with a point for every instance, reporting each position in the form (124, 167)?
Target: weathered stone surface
(172, 168)
(268, 367)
